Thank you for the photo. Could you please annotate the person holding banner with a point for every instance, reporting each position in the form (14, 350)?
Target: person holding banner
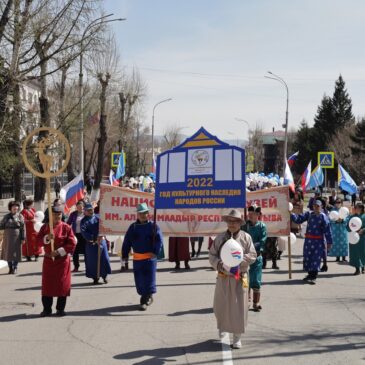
(145, 239)
(231, 290)
(56, 272)
(314, 249)
(97, 262)
(258, 232)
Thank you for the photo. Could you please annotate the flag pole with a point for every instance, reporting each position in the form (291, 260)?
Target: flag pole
(289, 257)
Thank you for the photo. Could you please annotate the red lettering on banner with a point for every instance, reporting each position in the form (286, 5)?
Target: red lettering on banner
(273, 202)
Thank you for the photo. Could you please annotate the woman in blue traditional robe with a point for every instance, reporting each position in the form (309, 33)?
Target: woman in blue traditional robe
(357, 250)
(90, 231)
(318, 228)
(145, 239)
(340, 243)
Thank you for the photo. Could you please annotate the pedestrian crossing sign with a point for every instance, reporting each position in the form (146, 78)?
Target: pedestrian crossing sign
(326, 160)
(115, 159)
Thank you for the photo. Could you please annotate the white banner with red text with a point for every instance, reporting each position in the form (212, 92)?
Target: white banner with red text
(118, 212)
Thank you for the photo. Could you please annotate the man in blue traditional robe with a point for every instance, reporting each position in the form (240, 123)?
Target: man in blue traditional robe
(90, 231)
(145, 238)
(318, 229)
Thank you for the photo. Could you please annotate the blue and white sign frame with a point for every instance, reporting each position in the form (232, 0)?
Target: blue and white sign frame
(202, 172)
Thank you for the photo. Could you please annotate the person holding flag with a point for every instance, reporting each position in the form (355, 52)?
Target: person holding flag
(292, 158)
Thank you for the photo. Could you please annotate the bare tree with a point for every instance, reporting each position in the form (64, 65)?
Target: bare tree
(171, 137)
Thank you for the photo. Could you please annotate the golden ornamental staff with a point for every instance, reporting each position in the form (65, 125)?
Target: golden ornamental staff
(46, 138)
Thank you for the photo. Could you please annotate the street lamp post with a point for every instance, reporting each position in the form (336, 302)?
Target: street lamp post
(153, 125)
(95, 22)
(246, 122)
(281, 80)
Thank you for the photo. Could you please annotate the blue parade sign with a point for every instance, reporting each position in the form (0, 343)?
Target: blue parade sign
(202, 172)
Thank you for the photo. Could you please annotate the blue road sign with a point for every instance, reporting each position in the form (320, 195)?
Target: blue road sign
(326, 160)
(115, 159)
(202, 172)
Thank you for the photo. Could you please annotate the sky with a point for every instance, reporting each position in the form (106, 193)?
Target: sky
(211, 56)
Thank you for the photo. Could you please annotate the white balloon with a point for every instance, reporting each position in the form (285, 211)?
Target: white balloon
(39, 216)
(232, 253)
(354, 238)
(37, 226)
(282, 242)
(355, 224)
(293, 238)
(334, 215)
(343, 212)
(290, 207)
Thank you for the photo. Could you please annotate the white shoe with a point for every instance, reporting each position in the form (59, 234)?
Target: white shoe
(222, 334)
(236, 342)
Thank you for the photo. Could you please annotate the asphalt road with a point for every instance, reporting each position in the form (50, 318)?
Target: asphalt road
(299, 323)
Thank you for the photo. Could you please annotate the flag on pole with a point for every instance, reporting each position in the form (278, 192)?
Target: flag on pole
(288, 177)
(345, 181)
(292, 159)
(72, 192)
(112, 179)
(153, 165)
(306, 177)
(316, 178)
(121, 166)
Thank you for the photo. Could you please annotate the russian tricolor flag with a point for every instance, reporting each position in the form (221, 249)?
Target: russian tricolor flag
(292, 158)
(288, 178)
(306, 177)
(72, 192)
(112, 179)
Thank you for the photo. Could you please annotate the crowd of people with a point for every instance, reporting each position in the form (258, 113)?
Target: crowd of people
(78, 234)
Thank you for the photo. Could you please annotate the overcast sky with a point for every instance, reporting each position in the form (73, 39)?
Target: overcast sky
(211, 56)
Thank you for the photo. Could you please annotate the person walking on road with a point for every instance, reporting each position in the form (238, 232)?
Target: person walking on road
(231, 290)
(357, 251)
(145, 239)
(30, 247)
(340, 244)
(318, 229)
(179, 251)
(56, 271)
(14, 236)
(258, 232)
(96, 249)
(74, 220)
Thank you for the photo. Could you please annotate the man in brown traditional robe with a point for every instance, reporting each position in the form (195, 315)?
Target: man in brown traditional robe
(231, 291)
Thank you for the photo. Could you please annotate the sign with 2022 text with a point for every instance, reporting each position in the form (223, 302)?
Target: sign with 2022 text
(201, 173)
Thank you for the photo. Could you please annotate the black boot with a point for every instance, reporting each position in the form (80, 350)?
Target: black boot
(357, 271)
(264, 262)
(29, 258)
(177, 266)
(363, 270)
(324, 268)
(338, 259)
(344, 259)
(279, 255)
(187, 266)
(10, 271)
(274, 264)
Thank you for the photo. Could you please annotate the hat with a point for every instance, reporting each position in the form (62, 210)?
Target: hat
(234, 213)
(318, 202)
(57, 209)
(254, 208)
(88, 206)
(142, 208)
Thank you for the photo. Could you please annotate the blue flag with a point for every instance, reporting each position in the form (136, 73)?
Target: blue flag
(317, 178)
(345, 181)
(121, 166)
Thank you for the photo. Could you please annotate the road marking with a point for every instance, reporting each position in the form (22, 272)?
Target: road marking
(226, 350)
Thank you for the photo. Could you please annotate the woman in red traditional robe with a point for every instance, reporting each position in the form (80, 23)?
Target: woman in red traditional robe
(30, 247)
(56, 273)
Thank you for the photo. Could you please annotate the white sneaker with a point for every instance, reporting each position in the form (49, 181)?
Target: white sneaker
(221, 334)
(236, 341)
